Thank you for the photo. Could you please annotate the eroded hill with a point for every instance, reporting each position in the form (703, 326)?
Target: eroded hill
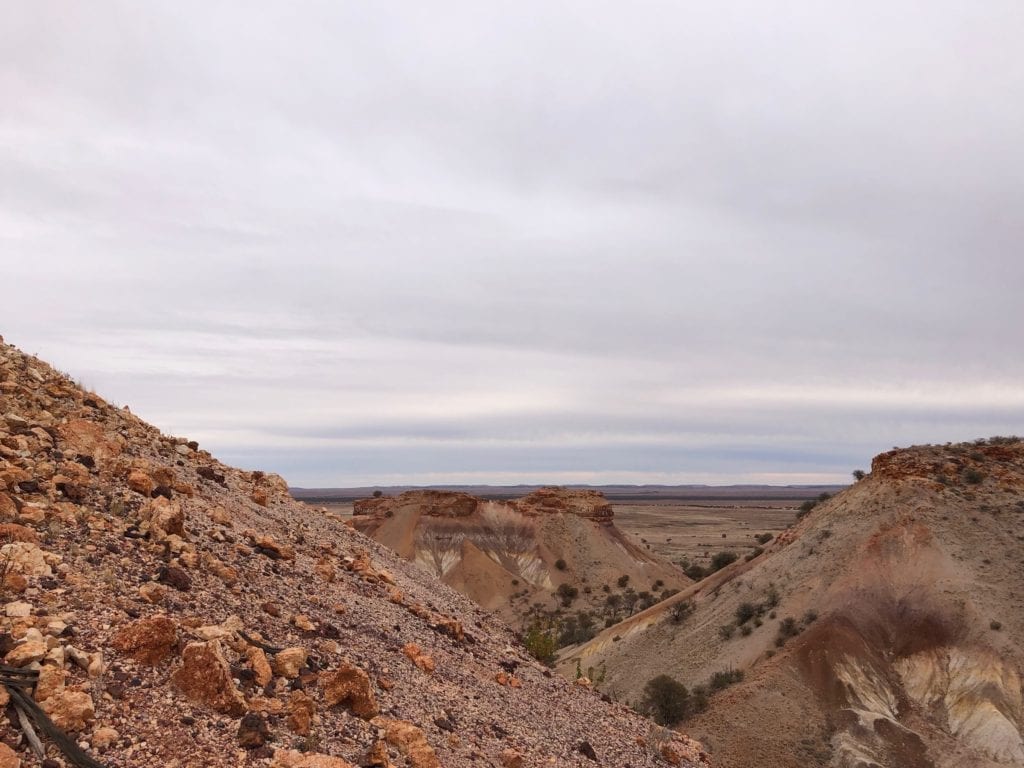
(883, 630)
(164, 609)
(554, 550)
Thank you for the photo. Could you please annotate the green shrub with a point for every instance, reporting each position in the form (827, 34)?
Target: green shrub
(541, 642)
(567, 593)
(680, 612)
(695, 572)
(722, 559)
(763, 538)
(722, 680)
(665, 699)
(745, 612)
(973, 476)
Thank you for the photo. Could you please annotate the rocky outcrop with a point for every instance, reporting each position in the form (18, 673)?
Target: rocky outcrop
(581, 502)
(181, 611)
(510, 555)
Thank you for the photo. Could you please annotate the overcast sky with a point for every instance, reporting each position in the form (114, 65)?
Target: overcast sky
(369, 243)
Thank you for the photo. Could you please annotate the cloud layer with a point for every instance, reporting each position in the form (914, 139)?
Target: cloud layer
(557, 241)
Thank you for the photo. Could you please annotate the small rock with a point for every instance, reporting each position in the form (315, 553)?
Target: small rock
(205, 678)
(349, 686)
(70, 710)
(103, 738)
(8, 757)
(289, 661)
(253, 731)
(149, 640)
(301, 709)
(18, 610)
(587, 750)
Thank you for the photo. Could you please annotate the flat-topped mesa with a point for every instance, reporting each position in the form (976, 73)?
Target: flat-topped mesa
(580, 502)
(429, 502)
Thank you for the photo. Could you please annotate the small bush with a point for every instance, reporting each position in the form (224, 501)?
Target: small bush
(665, 699)
(623, 580)
(726, 631)
(745, 612)
(973, 476)
(695, 572)
(996, 625)
(541, 642)
(859, 474)
(722, 680)
(680, 612)
(560, 564)
(722, 559)
(567, 593)
(763, 538)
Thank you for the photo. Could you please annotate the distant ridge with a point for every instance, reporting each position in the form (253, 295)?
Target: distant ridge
(649, 492)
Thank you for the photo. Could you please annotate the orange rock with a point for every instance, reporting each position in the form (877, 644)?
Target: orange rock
(410, 741)
(417, 657)
(511, 758)
(70, 710)
(349, 686)
(15, 532)
(377, 755)
(149, 640)
(292, 758)
(140, 482)
(50, 682)
(288, 662)
(300, 713)
(205, 678)
(8, 757)
(260, 666)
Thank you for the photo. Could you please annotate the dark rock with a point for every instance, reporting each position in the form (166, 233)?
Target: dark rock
(162, 490)
(587, 751)
(174, 577)
(444, 724)
(253, 731)
(73, 491)
(29, 486)
(86, 461)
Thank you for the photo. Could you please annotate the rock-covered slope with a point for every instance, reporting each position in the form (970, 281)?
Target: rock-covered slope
(553, 548)
(884, 630)
(166, 610)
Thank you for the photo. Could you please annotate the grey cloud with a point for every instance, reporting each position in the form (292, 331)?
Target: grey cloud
(598, 236)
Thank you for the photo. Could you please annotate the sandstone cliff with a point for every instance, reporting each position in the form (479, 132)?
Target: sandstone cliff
(511, 556)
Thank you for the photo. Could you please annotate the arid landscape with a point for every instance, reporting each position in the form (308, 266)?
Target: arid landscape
(480, 384)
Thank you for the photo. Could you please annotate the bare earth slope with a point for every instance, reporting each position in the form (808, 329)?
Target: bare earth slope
(172, 611)
(508, 555)
(905, 643)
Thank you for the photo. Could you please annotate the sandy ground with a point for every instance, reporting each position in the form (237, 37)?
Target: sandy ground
(695, 532)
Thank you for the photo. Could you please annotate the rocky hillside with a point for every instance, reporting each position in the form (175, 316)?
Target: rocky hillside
(162, 609)
(554, 550)
(884, 630)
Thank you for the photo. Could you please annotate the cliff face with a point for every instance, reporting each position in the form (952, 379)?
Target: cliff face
(509, 556)
(166, 609)
(884, 629)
